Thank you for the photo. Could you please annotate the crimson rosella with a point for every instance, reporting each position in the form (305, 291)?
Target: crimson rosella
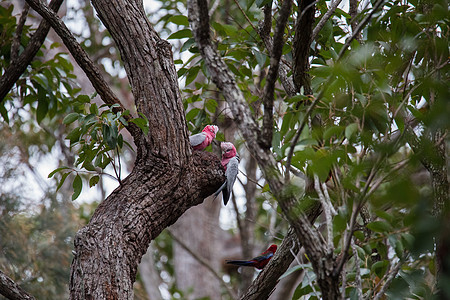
(202, 140)
(258, 262)
(230, 162)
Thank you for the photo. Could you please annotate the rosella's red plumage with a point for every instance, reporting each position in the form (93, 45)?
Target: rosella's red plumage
(258, 262)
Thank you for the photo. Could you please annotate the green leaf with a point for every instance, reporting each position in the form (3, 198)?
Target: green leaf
(211, 105)
(380, 267)
(192, 114)
(350, 130)
(179, 20)
(74, 135)
(192, 74)
(57, 170)
(61, 182)
(94, 180)
(70, 118)
(93, 109)
(42, 109)
(181, 34)
(332, 131)
(83, 99)
(4, 113)
(77, 186)
(379, 226)
(141, 123)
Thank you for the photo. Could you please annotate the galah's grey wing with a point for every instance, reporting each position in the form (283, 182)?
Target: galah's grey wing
(197, 139)
(231, 174)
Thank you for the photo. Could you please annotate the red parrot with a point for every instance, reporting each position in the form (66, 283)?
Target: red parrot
(258, 262)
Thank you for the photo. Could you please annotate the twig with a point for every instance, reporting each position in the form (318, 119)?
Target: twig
(18, 34)
(357, 271)
(324, 19)
(245, 15)
(327, 211)
(204, 263)
(251, 180)
(269, 89)
(359, 28)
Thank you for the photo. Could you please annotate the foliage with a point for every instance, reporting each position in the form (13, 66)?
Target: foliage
(357, 143)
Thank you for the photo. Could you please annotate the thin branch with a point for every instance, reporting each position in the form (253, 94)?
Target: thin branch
(245, 15)
(284, 68)
(12, 290)
(203, 262)
(18, 34)
(82, 58)
(301, 45)
(357, 204)
(302, 126)
(324, 19)
(359, 28)
(391, 277)
(269, 88)
(14, 71)
(357, 271)
(327, 211)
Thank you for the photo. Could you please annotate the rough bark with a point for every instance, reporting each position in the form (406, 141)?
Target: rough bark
(301, 45)
(12, 290)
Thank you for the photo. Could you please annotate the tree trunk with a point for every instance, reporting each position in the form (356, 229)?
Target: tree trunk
(167, 178)
(197, 229)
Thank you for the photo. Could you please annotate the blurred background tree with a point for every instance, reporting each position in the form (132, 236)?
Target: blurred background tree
(374, 151)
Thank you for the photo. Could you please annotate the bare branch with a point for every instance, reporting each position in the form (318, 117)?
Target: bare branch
(327, 212)
(12, 290)
(324, 19)
(269, 88)
(391, 277)
(18, 34)
(14, 71)
(357, 271)
(284, 68)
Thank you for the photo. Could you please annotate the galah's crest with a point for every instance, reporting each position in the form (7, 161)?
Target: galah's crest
(202, 140)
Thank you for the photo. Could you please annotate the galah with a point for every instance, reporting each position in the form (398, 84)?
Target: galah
(230, 162)
(202, 140)
(258, 262)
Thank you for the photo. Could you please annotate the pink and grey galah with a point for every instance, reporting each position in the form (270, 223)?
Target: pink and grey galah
(258, 262)
(202, 140)
(230, 162)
